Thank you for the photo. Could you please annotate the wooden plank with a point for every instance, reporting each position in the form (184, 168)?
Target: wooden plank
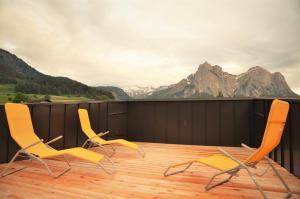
(212, 123)
(117, 120)
(81, 137)
(71, 125)
(4, 136)
(135, 121)
(185, 123)
(57, 125)
(259, 122)
(172, 122)
(148, 122)
(160, 118)
(103, 117)
(294, 134)
(143, 177)
(41, 120)
(199, 122)
(242, 110)
(94, 114)
(227, 123)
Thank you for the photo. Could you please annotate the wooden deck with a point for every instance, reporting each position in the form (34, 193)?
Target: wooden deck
(142, 178)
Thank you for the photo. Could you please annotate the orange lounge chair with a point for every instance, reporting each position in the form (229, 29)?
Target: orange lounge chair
(227, 164)
(95, 139)
(32, 147)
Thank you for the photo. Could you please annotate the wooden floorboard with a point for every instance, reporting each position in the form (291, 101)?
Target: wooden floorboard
(142, 178)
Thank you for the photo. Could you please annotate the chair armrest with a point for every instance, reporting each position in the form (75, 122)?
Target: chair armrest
(102, 134)
(33, 144)
(54, 140)
(247, 147)
(99, 135)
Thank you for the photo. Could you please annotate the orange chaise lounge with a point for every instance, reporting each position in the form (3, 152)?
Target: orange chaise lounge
(227, 164)
(32, 147)
(95, 139)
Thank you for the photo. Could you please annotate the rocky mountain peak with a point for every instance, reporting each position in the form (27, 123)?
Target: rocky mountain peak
(210, 80)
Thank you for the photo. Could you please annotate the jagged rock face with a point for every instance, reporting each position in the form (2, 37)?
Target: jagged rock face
(212, 80)
(259, 82)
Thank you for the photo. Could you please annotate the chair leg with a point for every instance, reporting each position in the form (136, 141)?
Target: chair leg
(256, 183)
(3, 173)
(113, 170)
(141, 152)
(263, 173)
(49, 170)
(289, 194)
(180, 171)
(86, 143)
(113, 150)
(210, 185)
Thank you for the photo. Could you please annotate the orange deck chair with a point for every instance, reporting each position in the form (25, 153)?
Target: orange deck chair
(32, 147)
(95, 139)
(227, 164)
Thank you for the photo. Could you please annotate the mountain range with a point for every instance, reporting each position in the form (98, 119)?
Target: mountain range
(208, 81)
(26, 79)
(211, 81)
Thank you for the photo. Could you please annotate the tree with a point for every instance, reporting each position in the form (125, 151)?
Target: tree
(47, 98)
(220, 94)
(20, 97)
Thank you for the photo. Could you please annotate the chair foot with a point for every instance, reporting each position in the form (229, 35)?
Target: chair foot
(176, 172)
(110, 172)
(4, 173)
(141, 152)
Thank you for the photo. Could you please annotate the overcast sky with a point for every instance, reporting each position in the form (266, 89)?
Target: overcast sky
(152, 43)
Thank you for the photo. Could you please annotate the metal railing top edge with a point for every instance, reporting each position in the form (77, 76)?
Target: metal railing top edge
(161, 100)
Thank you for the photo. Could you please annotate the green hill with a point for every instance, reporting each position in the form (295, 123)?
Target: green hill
(18, 77)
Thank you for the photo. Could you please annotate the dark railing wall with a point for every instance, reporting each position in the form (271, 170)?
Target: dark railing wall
(200, 122)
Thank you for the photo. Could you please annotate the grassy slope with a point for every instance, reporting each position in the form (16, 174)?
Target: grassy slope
(8, 91)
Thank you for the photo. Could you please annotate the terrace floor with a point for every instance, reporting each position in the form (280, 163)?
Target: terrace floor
(142, 178)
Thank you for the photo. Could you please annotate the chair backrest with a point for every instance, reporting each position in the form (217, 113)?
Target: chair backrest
(273, 131)
(20, 124)
(85, 123)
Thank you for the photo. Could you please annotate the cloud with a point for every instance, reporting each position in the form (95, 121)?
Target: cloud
(151, 42)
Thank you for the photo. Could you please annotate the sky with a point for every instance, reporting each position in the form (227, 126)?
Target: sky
(129, 43)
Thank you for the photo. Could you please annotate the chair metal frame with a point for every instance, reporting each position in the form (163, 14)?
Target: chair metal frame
(24, 153)
(90, 143)
(234, 172)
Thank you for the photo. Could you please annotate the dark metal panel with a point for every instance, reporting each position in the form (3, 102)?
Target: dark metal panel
(285, 144)
(259, 123)
(295, 135)
(199, 123)
(160, 125)
(117, 108)
(227, 123)
(94, 114)
(41, 120)
(185, 123)
(148, 122)
(242, 110)
(81, 137)
(135, 121)
(117, 120)
(172, 123)
(71, 125)
(4, 136)
(57, 125)
(103, 117)
(212, 123)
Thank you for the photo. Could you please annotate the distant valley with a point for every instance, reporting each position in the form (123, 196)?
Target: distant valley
(21, 82)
